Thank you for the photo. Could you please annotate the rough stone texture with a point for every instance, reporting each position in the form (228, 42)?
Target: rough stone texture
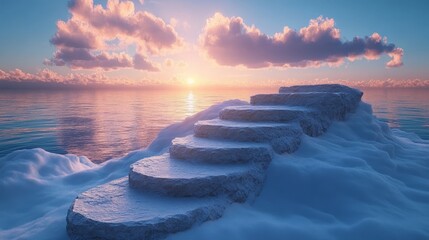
(321, 88)
(162, 174)
(276, 113)
(312, 122)
(192, 148)
(116, 211)
(353, 94)
(333, 105)
(250, 132)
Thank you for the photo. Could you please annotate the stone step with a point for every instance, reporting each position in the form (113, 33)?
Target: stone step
(275, 113)
(283, 137)
(313, 123)
(333, 105)
(219, 151)
(353, 95)
(162, 174)
(116, 211)
(333, 88)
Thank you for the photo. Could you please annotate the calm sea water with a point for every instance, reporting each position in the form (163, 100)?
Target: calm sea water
(103, 124)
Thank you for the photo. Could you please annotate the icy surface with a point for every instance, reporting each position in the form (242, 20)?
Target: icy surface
(359, 180)
(219, 151)
(116, 211)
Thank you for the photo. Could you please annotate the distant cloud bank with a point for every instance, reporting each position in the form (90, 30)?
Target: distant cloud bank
(45, 78)
(229, 41)
(97, 37)
(48, 79)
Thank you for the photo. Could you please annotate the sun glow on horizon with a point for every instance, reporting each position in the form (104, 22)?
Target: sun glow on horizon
(190, 81)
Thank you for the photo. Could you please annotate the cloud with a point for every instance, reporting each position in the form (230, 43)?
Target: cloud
(83, 58)
(172, 63)
(396, 56)
(120, 19)
(140, 62)
(229, 41)
(48, 79)
(91, 37)
(49, 76)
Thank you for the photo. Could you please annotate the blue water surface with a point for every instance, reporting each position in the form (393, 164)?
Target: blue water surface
(103, 124)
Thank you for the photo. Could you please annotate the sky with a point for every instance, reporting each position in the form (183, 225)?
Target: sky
(161, 43)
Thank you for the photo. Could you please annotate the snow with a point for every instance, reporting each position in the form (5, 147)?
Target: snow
(359, 180)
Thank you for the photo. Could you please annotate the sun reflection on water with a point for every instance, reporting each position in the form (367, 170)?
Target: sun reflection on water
(104, 124)
(190, 104)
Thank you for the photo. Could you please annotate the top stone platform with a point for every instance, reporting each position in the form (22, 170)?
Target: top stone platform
(332, 88)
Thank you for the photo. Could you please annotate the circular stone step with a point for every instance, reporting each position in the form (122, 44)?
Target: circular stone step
(219, 151)
(264, 113)
(333, 105)
(116, 211)
(321, 88)
(283, 137)
(312, 122)
(173, 177)
(244, 131)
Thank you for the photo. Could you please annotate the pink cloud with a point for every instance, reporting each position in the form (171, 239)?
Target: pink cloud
(84, 41)
(81, 58)
(396, 56)
(140, 62)
(47, 78)
(120, 18)
(229, 41)
(75, 34)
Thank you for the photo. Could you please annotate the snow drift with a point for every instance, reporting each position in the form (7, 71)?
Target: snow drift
(358, 180)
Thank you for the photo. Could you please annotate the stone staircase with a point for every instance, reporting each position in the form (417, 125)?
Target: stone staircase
(225, 161)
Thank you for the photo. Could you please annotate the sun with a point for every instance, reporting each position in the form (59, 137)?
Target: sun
(190, 81)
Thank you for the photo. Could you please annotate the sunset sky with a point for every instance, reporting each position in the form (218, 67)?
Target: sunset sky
(47, 43)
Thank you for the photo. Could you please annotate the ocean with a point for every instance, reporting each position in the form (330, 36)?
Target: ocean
(106, 124)
(359, 180)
